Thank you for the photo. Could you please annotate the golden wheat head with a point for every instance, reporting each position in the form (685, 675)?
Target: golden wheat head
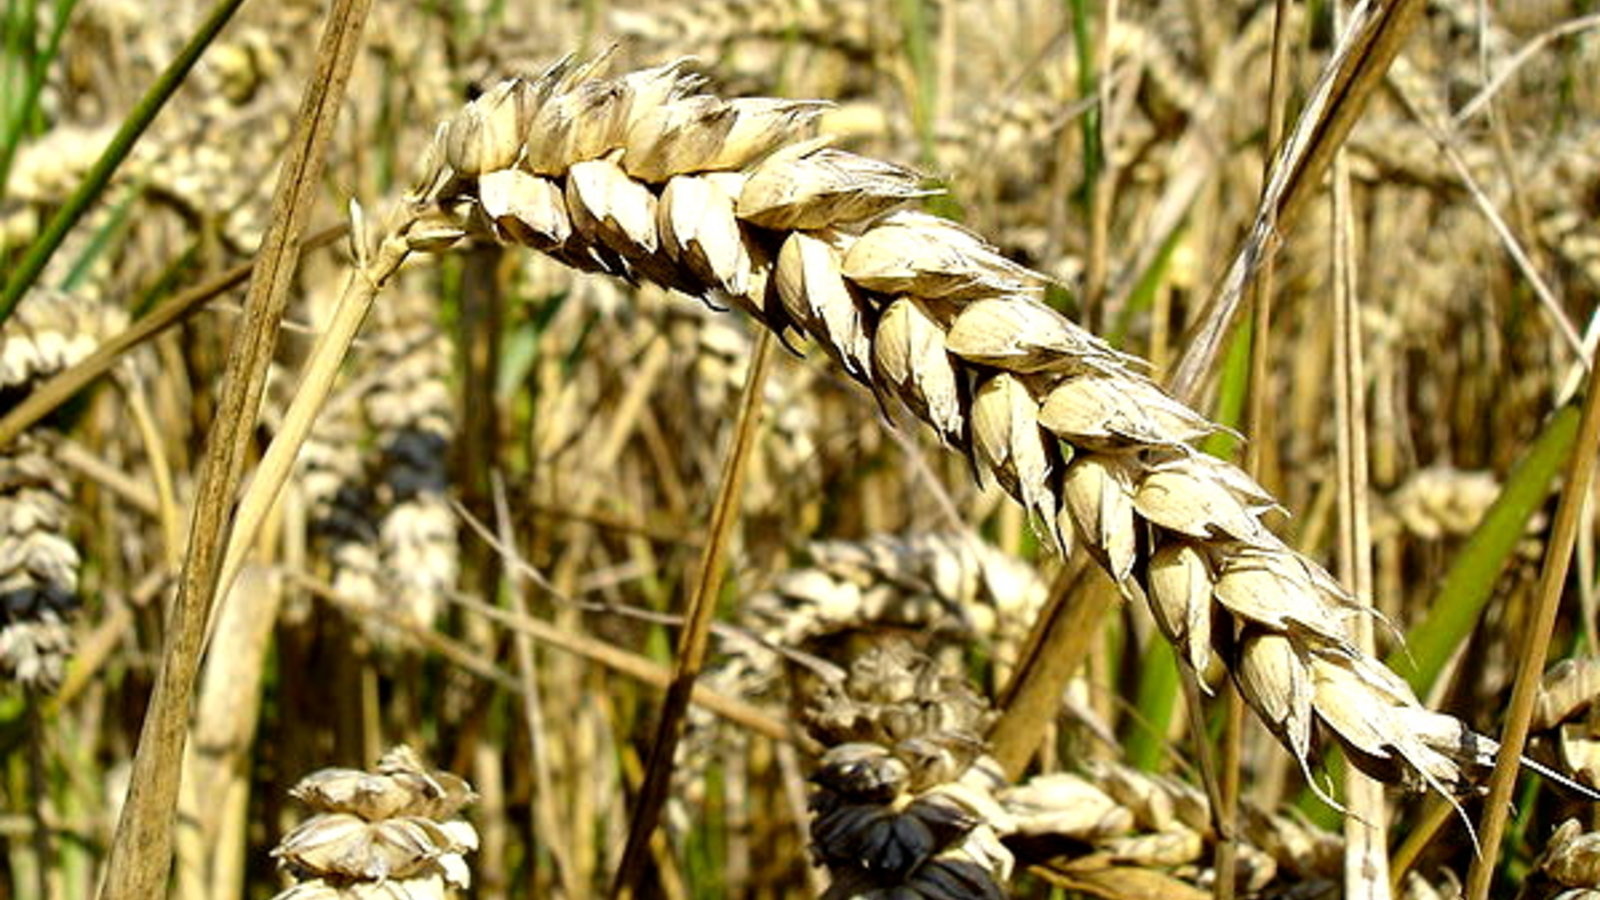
(737, 202)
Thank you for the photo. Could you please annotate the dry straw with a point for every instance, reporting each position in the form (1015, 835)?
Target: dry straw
(735, 201)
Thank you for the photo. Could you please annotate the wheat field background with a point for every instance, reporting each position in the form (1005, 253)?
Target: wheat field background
(785, 448)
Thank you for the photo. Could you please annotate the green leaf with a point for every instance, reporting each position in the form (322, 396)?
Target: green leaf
(1467, 587)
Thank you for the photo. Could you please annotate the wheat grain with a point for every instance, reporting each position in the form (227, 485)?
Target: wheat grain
(943, 315)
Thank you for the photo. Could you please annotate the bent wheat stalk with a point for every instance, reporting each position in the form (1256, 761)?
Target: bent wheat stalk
(736, 201)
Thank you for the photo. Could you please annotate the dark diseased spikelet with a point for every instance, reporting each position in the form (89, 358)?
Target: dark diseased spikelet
(899, 802)
(48, 332)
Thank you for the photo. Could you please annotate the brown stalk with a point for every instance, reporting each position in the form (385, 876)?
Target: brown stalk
(1057, 646)
(1536, 642)
(141, 851)
(167, 514)
(696, 633)
(114, 480)
(62, 386)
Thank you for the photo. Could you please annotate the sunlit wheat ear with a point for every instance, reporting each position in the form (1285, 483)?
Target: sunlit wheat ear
(48, 332)
(393, 832)
(944, 318)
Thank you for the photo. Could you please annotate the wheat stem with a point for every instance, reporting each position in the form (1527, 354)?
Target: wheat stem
(316, 383)
(1366, 828)
(1366, 48)
(141, 851)
(692, 643)
(1536, 641)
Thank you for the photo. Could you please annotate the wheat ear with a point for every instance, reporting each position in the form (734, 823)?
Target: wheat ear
(392, 832)
(736, 202)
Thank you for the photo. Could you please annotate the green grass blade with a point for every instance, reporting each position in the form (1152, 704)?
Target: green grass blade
(1466, 588)
(99, 175)
(1146, 744)
(102, 240)
(26, 103)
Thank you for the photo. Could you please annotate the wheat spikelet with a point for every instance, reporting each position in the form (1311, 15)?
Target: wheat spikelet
(1438, 501)
(1563, 709)
(1116, 817)
(1563, 190)
(1569, 868)
(392, 833)
(410, 409)
(49, 331)
(904, 803)
(952, 590)
(931, 583)
(804, 237)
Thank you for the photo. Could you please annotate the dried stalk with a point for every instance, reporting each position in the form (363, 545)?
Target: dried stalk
(692, 643)
(1536, 641)
(316, 383)
(142, 848)
(1368, 45)
(1366, 871)
(544, 826)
